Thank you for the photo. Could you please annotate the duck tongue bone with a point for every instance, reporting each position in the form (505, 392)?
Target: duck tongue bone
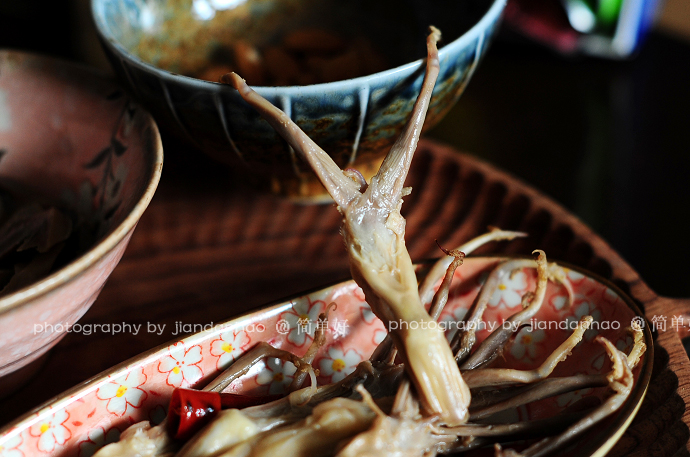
(620, 380)
(374, 231)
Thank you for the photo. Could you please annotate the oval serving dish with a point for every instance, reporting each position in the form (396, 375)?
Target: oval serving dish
(94, 413)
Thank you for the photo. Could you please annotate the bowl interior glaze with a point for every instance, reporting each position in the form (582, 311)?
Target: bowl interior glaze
(180, 36)
(94, 413)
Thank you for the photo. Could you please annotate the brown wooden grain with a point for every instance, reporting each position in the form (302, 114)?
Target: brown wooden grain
(206, 251)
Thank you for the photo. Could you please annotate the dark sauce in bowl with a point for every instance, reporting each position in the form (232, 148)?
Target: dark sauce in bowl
(291, 42)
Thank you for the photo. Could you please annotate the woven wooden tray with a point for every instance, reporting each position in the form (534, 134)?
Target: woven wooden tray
(207, 250)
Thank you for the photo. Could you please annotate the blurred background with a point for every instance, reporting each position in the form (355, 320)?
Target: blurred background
(607, 138)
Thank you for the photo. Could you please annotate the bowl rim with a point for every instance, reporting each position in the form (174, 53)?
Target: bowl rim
(107, 244)
(491, 15)
(597, 447)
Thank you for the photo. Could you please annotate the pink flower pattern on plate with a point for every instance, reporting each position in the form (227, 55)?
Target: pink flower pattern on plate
(51, 431)
(10, 448)
(583, 307)
(575, 277)
(96, 439)
(302, 319)
(182, 365)
(124, 392)
(379, 335)
(509, 291)
(277, 375)
(368, 315)
(229, 346)
(359, 294)
(339, 363)
(526, 343)
(559, 301)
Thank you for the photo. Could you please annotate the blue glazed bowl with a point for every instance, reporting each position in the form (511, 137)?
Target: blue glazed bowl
(354, 120)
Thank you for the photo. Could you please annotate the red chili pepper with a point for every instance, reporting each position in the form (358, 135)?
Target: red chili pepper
(191, 409)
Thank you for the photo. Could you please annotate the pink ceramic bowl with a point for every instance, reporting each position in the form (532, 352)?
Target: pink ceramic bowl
(95, 413)
(69, 135)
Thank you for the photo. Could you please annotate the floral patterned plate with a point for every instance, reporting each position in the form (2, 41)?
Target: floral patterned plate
(94, 413)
